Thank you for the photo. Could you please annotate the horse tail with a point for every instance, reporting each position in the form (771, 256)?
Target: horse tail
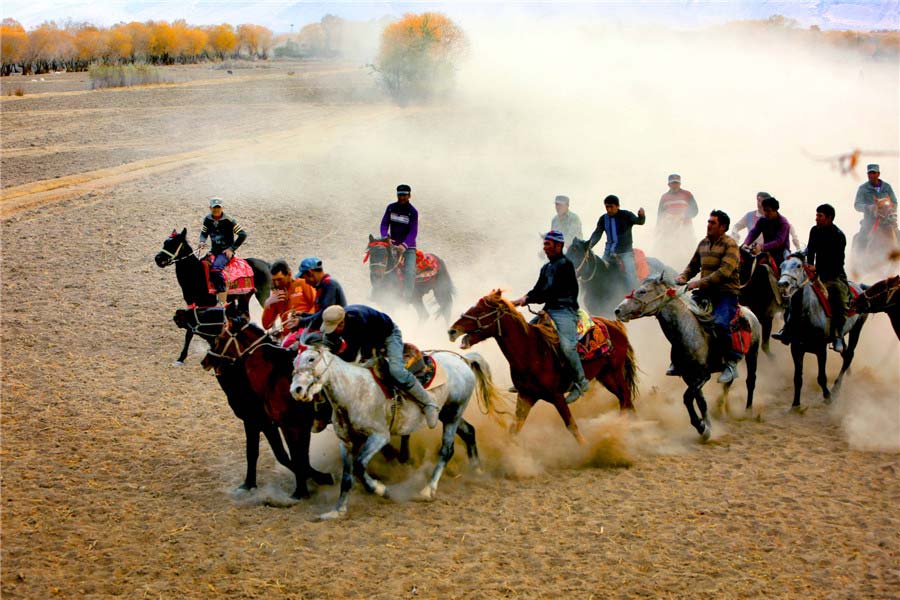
(486, 392)
(262, 279)
(451, 289)
(631, 370)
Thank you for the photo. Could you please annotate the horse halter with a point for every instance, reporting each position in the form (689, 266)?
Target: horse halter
(593, 263)
(389, 253)
(669, 293)
(250, 349)
(795, 280)
(173, 256)
(318, 379)
(497, 313)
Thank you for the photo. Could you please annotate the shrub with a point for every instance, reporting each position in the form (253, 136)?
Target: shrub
(107, 76)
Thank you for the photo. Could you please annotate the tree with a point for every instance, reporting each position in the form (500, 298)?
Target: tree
(13, 45)
(255, 39)
(163, 42)
(418, 55)
(222, 40)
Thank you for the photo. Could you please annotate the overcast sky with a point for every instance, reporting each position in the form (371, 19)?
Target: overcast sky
(278, 15)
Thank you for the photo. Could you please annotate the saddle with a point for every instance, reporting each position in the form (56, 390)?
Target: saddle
(427, 267)
(822, 293)
(641, 266)
(593, 335)
(420, 364)
(238, 275)
(741, 332)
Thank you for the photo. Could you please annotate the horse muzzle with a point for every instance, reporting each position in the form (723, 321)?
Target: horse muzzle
(303, 388)
(465, 343)
(162, 260)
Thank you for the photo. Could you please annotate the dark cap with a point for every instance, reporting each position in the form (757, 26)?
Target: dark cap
(403, 189)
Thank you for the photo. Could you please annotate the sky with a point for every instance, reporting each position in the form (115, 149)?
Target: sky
(280, 15)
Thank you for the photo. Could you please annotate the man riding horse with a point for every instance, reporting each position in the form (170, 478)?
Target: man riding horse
(226, 236)
(866, 202)
(366, 331)
(557, 288)
(401, 223)
(775, 231)
(617, 224)
(717, 259)
(290, 296)
(825, 255)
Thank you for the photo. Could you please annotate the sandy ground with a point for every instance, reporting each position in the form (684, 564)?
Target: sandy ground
(119, 470)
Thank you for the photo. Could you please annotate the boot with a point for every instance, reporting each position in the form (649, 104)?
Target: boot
(729, 373)
(723, 343)
(221, 298)
(426, 401)
(783, 336)
(672, 371)
(577, 391)
(838, 344)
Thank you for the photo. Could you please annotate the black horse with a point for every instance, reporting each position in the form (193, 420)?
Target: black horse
(387, 286)
(192, 278)
(602, 283)
(247, 406)
(759, 290)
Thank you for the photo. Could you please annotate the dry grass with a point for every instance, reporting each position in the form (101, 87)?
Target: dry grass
(109, 76)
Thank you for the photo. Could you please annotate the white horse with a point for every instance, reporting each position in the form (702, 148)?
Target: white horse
(691, 341)
(364, 419)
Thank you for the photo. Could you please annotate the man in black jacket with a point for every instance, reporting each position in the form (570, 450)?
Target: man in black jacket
(557, 288)
(226, 236)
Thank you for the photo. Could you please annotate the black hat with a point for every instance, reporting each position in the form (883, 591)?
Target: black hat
(611, 199)
(403, 189)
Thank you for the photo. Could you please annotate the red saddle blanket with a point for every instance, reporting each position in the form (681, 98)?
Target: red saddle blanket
(594, 342)
(238, 276)
(427, 267)
(421, 365)
(822, 293)
(741, 334)
(640, 264)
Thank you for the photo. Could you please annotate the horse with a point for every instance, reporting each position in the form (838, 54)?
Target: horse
(534, 360)
(364, 419)
(680, 319)
(883, 297)
(268, 368)
(385, 275)
(192, 278)
(759, 290)
(603, 282)
(246, 405)
(875, 253)
(810, 327)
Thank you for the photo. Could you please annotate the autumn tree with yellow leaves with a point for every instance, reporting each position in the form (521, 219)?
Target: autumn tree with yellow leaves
(419, 55)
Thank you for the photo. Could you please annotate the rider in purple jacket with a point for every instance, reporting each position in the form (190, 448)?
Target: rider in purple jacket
(401, 223)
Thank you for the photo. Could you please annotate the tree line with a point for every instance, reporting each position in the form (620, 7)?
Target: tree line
(76, 46)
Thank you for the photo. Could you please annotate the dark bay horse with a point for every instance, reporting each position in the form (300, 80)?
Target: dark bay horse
(883, 296)
(537, 371)
(691, 341)
(811, 326)
(602, 282)
(875, 251)
(268, 368)
(247, 406)
(759, 290)
(385, 271)
(192, 278)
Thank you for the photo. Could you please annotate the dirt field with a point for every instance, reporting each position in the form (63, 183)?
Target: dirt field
(119, 470)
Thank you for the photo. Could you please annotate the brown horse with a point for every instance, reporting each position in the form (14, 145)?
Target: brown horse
(269, 370)
(883, 296)
(534, 362)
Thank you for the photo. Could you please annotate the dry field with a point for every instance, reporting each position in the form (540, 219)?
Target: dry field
(119, 470)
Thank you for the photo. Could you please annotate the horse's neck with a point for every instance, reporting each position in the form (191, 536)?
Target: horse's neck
(812, 306)
(346, 382)
(681, 327)
(192, 279)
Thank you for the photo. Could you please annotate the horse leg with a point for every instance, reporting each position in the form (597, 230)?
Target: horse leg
(251, 435)
(466, 432)
(373, 444)
(346, 484)
(403, 457)
(688, 398)
(705, 424)
(270, 430)
(444, 456)
(617, 387)
(188, 336)
(304, 435)
(523, 407)
(752, 359)
(295, 447)
(848, 354)
(822, 378)
(419, 305)
(563, 409)
(797, 354)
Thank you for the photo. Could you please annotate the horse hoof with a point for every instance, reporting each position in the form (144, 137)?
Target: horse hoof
(427, 494)
(178, 363)
(797, 409)
(300, 495)
(333, 515)
(380, 489)
(245, 487)
(828, 400)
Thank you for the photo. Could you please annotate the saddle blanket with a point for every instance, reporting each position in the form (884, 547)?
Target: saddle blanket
(741, 334)
(427, 267)
(593, 334)
(422, 365)
(238, 276)
(642, 268)
(822, 293)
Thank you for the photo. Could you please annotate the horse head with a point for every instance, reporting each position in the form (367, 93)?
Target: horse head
(877, 297)
(647, 299)
(234, 341)
(206, 322)
(310, 372)
(793, 274)
(174, 248)
(381, 256)
(481, 321)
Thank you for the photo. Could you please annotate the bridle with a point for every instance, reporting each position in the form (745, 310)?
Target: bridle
(318, 379)
(174, 256)
(888, 290)
(593, 263)
(200, 324)
(795, 279)
(670, 294)
(497, 314)
(389, 252)
(264, 340)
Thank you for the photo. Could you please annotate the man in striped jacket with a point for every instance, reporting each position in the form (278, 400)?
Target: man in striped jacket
(226, 236)
(717, 259)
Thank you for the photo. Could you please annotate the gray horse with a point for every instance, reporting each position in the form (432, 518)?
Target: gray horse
(681, 321)
(811, 325)
(365, 420)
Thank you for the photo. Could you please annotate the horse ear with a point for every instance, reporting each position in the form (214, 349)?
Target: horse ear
(371, 238)
(184, 232)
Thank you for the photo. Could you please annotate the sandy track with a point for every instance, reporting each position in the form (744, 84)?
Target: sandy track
(118, 470)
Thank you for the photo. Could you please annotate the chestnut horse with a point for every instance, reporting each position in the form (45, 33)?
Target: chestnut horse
(883, 296)
(534, 361)
(269, 368)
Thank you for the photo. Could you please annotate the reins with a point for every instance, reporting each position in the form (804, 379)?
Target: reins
(499, 311)
(173, 256)
(588, 254)
(250, 349)
(390, 254)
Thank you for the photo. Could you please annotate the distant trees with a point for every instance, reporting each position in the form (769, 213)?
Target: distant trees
(418, 55)
(76, 46)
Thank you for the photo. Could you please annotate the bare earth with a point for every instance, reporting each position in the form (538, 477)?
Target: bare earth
(119, 470)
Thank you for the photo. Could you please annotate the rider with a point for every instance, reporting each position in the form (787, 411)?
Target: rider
(328, 291)
(401, 223)
(825, 253)
(617, 224)
(367, 331)
(566, 221)
(557, 288)
(289, 296)
(227, 236)
(866, 196)
(717, 259)
(775, 231)
(749, 220)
